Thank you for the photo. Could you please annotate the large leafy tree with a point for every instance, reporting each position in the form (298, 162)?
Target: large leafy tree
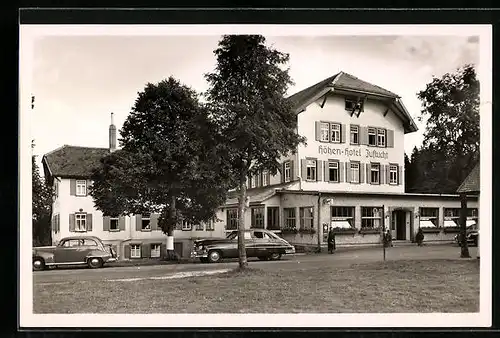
(42, 206)
(169, 162)
(257, 123)
(451, 140)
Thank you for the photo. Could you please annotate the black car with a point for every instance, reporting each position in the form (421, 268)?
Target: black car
(471, 234)
(264, 244)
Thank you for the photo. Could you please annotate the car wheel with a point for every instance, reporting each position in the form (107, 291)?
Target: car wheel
(95, 263)
(38, 264)
(214, 256)
(275, 256)
(263, 258)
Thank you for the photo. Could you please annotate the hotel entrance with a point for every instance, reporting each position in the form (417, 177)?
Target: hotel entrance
(400, 220)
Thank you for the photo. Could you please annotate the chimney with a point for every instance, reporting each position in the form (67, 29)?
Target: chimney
(112, 135)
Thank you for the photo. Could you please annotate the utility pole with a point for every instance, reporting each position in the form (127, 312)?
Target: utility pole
(383, 229)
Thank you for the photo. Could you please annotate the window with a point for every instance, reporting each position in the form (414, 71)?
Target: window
(354, 172)
(335, 132)
(371, 217)
(393, 174)
(273, 221)
(146, 222)
(81, 188)
(289, 217)
(429, 217)
(81, 222)
(199, 226)
(186, 225)
(232, 219)
(306, 218)
(135, 251)
(257, 217)
(342, 217)
(252, 181)
(209, 226)
(88, 242)
(155, 250)
(113, 224)
(258, 180)
(375, 173)
(352, 103)
(354, 135)
(325, 131)
(287, 171)
(451, 217)
(70, 243)
(333, 171)
(381, 137)
(311, 170)
(265, 178)
(372, 136)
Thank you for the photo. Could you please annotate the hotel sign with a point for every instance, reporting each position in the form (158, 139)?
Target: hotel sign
(353, 152)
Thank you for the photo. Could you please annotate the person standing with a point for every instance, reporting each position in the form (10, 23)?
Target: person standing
(331, 241)
(419, 238)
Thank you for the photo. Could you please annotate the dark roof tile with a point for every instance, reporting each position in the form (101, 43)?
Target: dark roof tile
(73, 161)
(471, 184)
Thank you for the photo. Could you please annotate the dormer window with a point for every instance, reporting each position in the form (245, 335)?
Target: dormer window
(352, 103)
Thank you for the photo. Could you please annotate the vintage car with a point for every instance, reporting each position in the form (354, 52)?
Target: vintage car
(472, 234)
(81, 250)
(264, 244)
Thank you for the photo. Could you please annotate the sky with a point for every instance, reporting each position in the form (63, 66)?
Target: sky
(78, 81)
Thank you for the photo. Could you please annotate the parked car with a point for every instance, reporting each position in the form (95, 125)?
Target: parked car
(264, 244)
(471, 234)
(81, 250)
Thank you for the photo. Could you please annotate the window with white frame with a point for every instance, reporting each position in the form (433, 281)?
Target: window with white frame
(257, 217)
(146, 222)
(375, 173)
(342, 217)
(335, 132)
(80, 222)
(354, 134)
(287, 172)
(199, 226)
(135, 251)
(253, 181)
(333, 171)
(371, 217)
(311, 170)
(232, 219)
(113, 224)
(354, 167)
(155, 250)
(393, 174)
(451, 217)
(429, 217)
(209, 226)
(289, 218)
(81, 188)
(186, 225)
(372, 136)
(325, 131)
(472, 216)
(265, 178)
(306, 217)
(381, 137)
(258, 180)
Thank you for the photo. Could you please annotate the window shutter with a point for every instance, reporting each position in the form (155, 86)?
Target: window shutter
(105, 223)
(72, 187)
(145, 250)
(326, 166)
(126, 251)
(138, 222)
(400, 175)
(363, 135)
(261, 181)
(268, 178)
(348, 172)
(361, 173)
(368, 176)
(89, 183)
(318, 130)
(341, 171)
(304, 169)
(390, 138)
(89, 222)
(121, 223)
(292, 171)
(71, 222)
(283, 172)
(319, 172)
(342, 133)
(387, 174)
(154, 221)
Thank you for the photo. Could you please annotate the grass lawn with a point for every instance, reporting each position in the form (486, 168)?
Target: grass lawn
(393, 286)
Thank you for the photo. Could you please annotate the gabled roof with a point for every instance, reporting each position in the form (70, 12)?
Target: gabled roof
(72, 161)
(471, 182)
(350, 83)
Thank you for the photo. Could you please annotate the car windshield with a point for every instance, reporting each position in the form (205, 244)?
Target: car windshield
(232, 235)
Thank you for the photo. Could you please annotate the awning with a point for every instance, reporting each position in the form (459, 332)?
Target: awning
(470, 222)
(340, 224)
(450, 224)
(427, 224)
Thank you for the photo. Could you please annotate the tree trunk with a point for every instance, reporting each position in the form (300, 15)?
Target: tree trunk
(242, 254)
(171, 255)
(464, 251)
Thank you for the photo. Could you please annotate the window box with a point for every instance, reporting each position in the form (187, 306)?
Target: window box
(285, 231)
(452, 229)
(350, 231)
(431, 230)
(311, 231)
(365, 231)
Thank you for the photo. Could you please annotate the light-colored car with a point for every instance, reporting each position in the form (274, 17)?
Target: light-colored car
(81, 250)
(260, 243)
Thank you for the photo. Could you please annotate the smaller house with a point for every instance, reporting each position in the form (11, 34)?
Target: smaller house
(471, 186)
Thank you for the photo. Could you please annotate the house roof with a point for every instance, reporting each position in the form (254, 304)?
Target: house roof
(258, 195)
(347, 82)
(73, 161)
(471, 182)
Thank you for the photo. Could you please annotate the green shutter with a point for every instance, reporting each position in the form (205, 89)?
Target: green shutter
(89, 222)
(363, 135)
(304, 169)
(387, 174)
(121, 223)
(105, 223)
(71, 222)
(342, 133)
(292, 171)
(146, 250)
(368, 171)
(138, 222)
(318, 130)
(400, 175)
(341, 172)
(348, 172)
(126, 251)
(89, 183)
(326, 168)
(361, 173)
(319, 170)
(154, 221)
(390, 138)
(72, 187)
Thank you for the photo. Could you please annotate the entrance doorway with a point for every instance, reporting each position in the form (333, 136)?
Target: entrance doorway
(398, 225)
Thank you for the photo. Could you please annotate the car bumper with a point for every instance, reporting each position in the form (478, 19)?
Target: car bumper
(290, 251)
(199, 254)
